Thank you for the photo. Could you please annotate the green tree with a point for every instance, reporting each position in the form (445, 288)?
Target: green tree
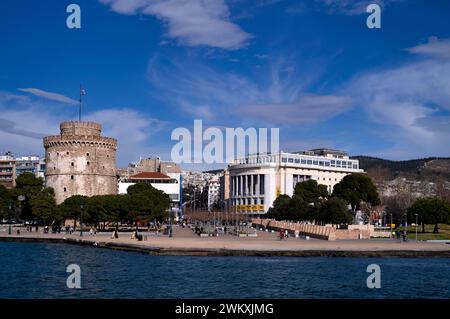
(96, 212)
(43, 206)
(430, 211)
(71, 208)
(310, 191)
(116, 208)
(27, 185)
(334, 211)
(29, 181)
(147, 203)
(279, 208)
(355, 189)
(6, 203)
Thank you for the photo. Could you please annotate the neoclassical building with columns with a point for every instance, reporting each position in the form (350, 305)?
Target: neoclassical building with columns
(257, 180)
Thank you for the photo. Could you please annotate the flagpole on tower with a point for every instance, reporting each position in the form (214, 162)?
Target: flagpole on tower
(82, 92)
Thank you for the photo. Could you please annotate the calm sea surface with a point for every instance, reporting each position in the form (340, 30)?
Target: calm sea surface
(36, 270)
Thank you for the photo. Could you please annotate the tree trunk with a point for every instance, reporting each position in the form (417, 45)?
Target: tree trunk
(423, 227)
(436, 229)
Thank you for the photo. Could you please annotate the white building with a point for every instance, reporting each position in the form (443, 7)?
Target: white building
(31, 164)
(257, 180)
(213, 188)
(169, 183)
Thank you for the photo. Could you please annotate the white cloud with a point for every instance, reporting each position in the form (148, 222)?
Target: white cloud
(50, 95)
(434, 48)
(191, 22)
(277, 96)
(351, 7)
(408, 102)
(131, 128)
(25, 121)
(306, 109)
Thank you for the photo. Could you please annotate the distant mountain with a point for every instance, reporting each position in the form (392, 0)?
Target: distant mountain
(424, 169)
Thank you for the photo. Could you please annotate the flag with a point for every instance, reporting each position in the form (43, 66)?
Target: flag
(82, 92)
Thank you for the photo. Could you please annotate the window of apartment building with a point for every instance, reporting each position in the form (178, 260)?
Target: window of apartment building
(290, 160)
(315, 162)
(283, 159)
(303, 161)
(309, 162)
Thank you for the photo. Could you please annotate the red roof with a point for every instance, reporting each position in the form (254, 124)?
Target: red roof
(150, 175)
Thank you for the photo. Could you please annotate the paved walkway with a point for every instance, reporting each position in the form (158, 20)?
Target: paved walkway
(184, 238)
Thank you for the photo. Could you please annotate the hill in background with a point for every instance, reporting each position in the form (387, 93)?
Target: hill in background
(430, 169)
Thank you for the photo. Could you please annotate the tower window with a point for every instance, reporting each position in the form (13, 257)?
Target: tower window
(65, 189)
(67, 153)
(88, 163)
(72, 164)
(71, 177)
(87, 154)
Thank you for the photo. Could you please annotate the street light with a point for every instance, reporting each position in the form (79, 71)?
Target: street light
(417, 216)
(391, 223)
(170, 222)
(81, 219)
(406, 227)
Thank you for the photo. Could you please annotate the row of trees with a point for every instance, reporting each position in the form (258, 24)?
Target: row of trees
(312, 202)
(141, 203)
(430, 210)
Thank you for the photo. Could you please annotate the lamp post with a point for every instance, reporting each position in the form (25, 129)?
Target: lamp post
(417, 218)
(81, 219)
(9, 228)
(170, 222)
(406, 227)
(391, 224)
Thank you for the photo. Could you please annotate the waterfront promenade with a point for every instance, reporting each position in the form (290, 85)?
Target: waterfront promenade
(185, 242)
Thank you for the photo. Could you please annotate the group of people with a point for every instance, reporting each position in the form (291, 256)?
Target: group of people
(283, 234)
(30, 228)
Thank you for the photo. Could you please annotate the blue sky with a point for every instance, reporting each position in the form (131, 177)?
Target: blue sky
(311, 68)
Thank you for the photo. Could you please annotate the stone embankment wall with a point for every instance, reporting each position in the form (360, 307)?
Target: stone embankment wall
(316, 231)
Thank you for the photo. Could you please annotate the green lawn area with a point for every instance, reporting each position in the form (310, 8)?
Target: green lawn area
(444, 232)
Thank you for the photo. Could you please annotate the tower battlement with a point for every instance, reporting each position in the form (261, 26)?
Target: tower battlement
(80, 128)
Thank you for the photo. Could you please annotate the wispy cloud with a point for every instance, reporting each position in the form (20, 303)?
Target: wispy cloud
(25, 121)
(438, 48)
(306, 109)
(191, 22)
(410, 102)
(49, 95)
(343, 7)
(277, 96)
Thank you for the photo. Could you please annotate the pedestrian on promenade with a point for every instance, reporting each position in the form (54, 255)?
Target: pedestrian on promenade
(37, 229)
(18, 232)
(281, 234)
